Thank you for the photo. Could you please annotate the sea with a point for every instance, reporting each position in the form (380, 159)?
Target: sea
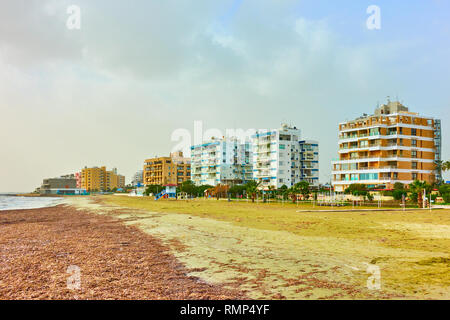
(9, 202)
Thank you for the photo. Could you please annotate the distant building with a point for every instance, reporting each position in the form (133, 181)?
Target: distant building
(280, 158)
(174, 169)
(138, 178)
(78, 179)
(438, 146)
(99, 179)
(53, 185)
(309, 162)
(221, 161)
(392, 145)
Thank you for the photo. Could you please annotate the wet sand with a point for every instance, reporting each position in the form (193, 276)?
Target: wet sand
(116, 261)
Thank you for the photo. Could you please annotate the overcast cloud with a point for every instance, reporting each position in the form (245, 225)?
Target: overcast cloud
(113, 92)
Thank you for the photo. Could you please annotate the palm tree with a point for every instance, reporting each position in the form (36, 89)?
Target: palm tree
(417, 188)
(439, 167)
(303, 186)
(252, 189)
(293, 192)
(283, 191)
(446, 166)
(271, 191)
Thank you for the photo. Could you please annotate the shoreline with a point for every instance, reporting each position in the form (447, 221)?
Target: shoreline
(37, 246)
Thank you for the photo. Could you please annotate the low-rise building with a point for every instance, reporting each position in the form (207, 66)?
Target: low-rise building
(53, 185)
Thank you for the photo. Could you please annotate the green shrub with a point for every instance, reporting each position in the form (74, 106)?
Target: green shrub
(398, 194)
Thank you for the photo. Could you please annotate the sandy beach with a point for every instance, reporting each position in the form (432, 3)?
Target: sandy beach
(138, 248)
(116, 261)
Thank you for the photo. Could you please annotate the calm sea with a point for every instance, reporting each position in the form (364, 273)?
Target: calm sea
(16, 203)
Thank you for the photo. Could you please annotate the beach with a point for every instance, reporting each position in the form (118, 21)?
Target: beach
(138, 248)
(38, 247)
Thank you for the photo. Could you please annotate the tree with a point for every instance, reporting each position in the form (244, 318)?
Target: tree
(293, 192)
(188, 187)
(444, 190)
(153, 189)
(303, 187)
(356, 189)
(446, 166)
(417, 188)
(237, 190)
(283, 191)
(399, 186)
(252, 189)
(399, 191)
(271, 191)
(200, 191)
(439, 167)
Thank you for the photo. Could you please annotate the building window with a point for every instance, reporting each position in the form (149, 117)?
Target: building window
(414, 165)
(414, 143)
(414, 132)
(414, 176)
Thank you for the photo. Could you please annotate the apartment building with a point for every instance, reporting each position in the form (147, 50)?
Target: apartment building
(392, 145)
(99, 179)
(280, 158)
(438, 147)
(221, 161)
(309, 161)
(174, 169)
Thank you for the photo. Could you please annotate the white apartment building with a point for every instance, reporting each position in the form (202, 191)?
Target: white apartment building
(221, 161)
(280, 158)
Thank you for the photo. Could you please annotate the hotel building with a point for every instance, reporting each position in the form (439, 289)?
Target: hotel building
(393, 145)
(221, 161)
(99, 179)
(167, 170)
(280, 158)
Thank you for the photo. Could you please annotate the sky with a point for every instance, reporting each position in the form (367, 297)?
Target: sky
(113, 92)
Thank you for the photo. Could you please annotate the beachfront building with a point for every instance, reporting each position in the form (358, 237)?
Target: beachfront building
(100, 179)
(281, 157)
(53, 185)
(174, 169)
(392, 145)
(226, 161)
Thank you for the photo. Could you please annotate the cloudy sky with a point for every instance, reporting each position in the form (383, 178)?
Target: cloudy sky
(113, 92)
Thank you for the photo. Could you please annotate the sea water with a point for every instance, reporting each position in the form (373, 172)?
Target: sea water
(17, 203)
